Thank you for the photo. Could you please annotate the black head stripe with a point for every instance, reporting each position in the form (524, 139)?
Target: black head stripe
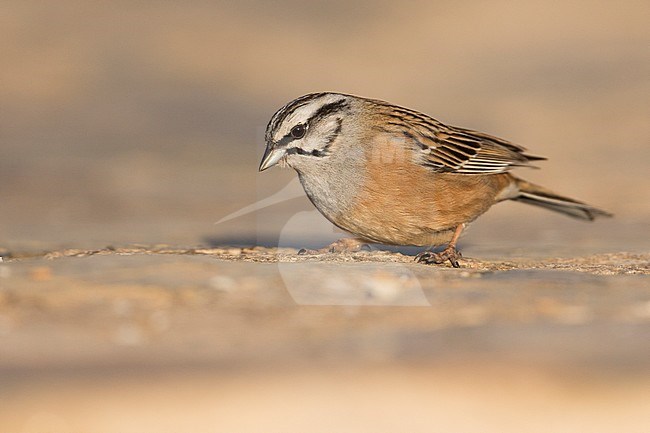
(322, 112)
(328, 109)
(284, 140)
(325, 151)
(279, 117)
(299, 151)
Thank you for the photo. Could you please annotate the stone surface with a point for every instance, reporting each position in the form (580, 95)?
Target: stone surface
(217, 333)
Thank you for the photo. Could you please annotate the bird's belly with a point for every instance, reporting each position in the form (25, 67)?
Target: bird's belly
(396, 225)
(403, 204)
(415, 212)
(394, 231)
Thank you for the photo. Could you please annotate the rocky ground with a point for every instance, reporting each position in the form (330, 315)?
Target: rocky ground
(162, 338)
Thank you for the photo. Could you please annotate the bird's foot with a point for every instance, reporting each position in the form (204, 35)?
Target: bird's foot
(450, 253)
(345, 245)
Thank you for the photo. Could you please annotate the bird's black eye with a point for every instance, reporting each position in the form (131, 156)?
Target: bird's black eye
(298, 131)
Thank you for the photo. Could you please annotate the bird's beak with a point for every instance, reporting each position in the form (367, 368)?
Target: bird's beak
(271, 157)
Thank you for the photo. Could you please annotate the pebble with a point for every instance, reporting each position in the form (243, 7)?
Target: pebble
(574, 314)
(642, 310)
(129, 335)
(5, 324)
(473, 315)
(222, 283)
(40, 273)
(383, 287)
(123, 307)
(159, 320)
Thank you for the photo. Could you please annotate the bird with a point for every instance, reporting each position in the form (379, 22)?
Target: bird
(392, 175)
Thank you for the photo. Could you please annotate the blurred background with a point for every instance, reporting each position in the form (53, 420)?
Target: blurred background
(129, 122)
(142, 122)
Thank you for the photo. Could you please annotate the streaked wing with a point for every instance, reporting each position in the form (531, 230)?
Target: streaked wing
(456, 150)
(464, 151)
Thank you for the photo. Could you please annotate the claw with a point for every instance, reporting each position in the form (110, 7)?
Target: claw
(449, 253)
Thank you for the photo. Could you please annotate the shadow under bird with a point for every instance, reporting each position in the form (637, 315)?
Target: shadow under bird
(391, 175)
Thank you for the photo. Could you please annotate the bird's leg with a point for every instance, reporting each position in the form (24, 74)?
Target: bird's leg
(449, 253)
(344, 245)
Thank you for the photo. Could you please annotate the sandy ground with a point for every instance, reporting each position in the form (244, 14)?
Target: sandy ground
(261, 339)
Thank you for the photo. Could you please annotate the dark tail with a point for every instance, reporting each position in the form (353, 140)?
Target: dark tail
(539, 196)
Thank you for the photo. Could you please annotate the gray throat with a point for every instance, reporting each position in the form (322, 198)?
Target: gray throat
(333, 183)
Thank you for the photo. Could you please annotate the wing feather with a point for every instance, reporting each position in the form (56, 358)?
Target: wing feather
(456, 150)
